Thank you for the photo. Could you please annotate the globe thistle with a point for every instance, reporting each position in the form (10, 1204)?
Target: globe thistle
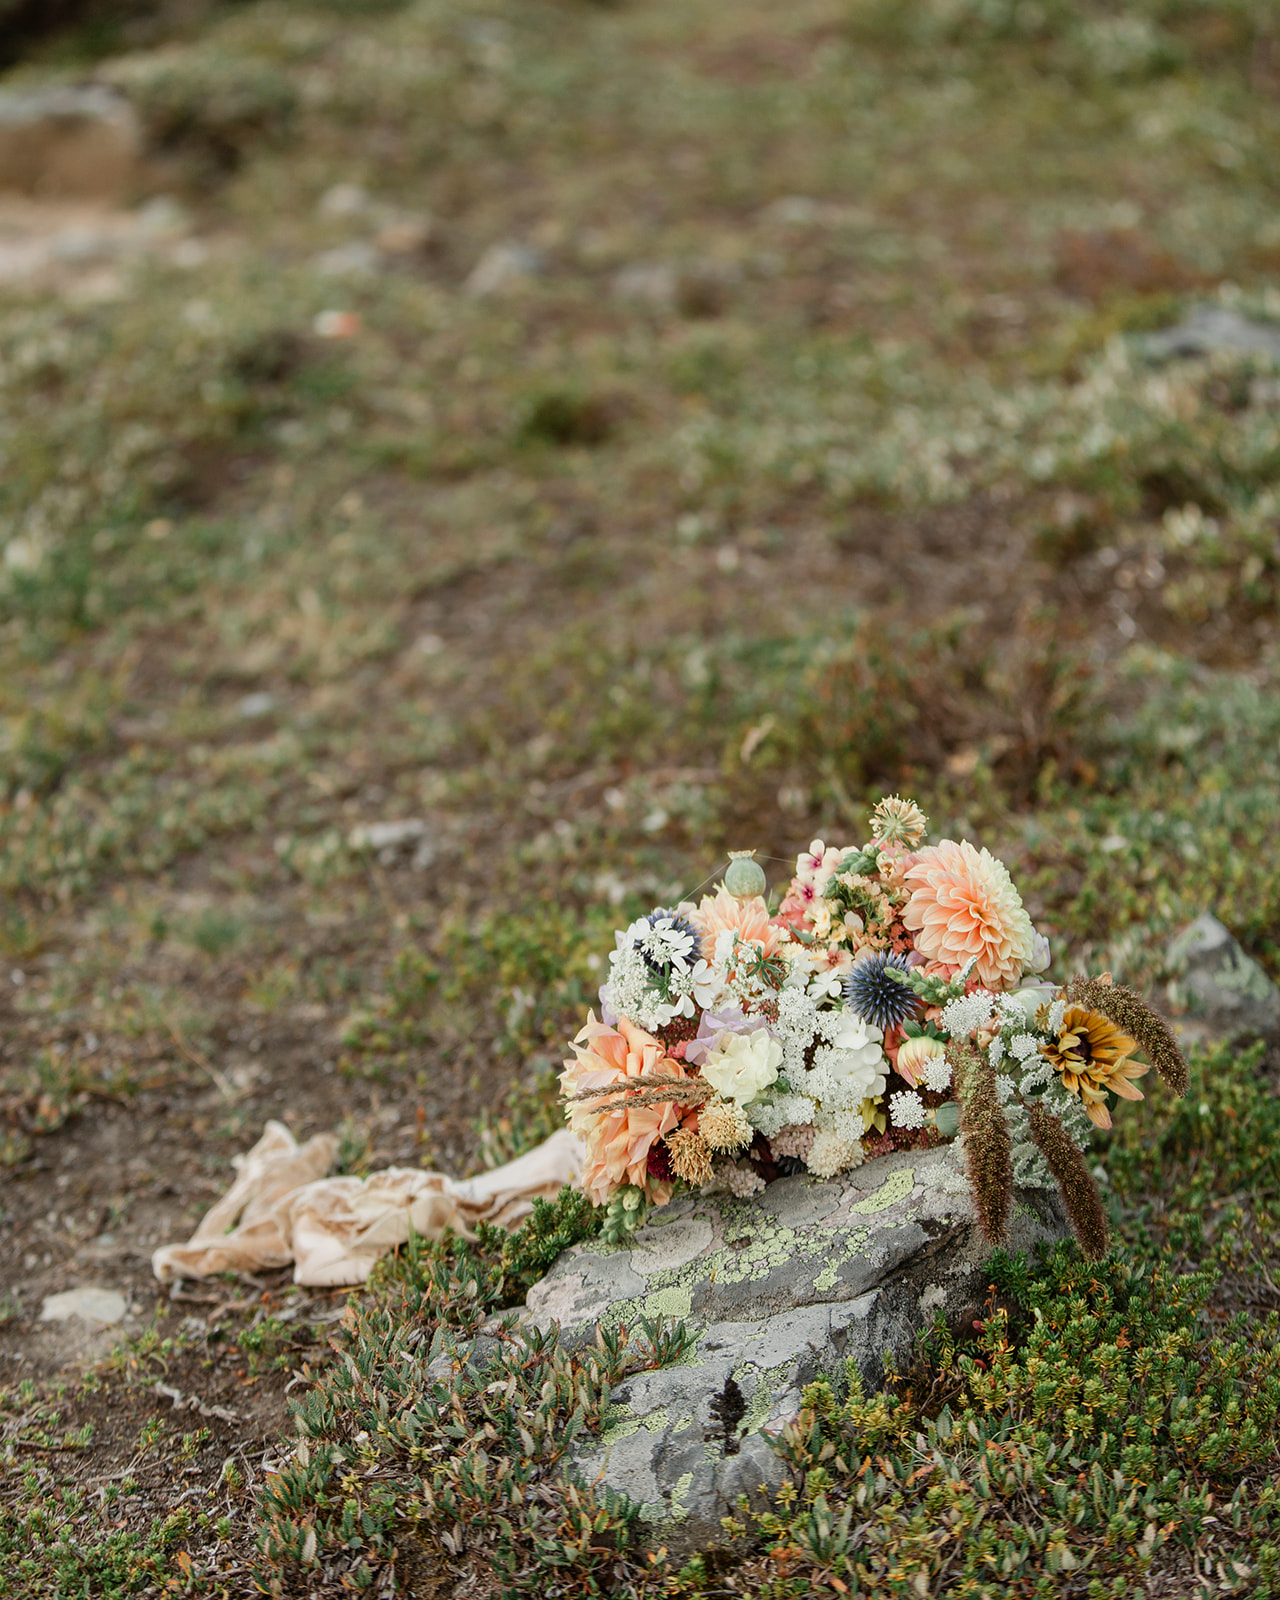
(723, 1125)
(876, 990)
(690, 1156)
(897, 821)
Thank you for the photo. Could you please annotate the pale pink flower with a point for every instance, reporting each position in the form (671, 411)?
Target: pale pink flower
(964, 907)
(617, 1135)
(816, 865)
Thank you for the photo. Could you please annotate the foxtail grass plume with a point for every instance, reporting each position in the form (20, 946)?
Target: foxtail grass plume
(1131, 1012)
(988, 1147)
(1079, 1191)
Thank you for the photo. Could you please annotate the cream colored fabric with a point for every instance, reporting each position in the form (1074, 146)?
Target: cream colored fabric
(282, 1208)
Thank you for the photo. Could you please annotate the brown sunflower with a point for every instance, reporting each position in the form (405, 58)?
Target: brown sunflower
(1094, 1056)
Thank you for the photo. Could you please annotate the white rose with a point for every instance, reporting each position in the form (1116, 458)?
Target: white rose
(740, 1065)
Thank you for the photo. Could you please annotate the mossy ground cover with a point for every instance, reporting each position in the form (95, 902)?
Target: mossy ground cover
(811, 450)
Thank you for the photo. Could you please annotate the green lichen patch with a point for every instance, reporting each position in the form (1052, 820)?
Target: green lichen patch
(897, 1186)
(620, 1422)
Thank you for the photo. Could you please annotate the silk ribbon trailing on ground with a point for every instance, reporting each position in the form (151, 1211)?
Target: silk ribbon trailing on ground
(283, 1208)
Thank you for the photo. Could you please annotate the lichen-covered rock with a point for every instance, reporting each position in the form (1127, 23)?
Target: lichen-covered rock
(1217, 991)
(805, 1279)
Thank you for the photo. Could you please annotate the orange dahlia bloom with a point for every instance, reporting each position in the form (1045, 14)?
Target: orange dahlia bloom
(618, 1135)
(749, 919)
(963, 905)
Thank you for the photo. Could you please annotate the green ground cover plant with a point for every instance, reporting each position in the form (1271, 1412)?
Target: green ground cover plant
(807, 446)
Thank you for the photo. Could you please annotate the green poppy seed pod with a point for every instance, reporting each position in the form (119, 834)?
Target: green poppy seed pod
(947, 1119)
(745, 877)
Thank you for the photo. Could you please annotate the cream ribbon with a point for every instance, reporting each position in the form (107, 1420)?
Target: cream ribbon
(282, 1208)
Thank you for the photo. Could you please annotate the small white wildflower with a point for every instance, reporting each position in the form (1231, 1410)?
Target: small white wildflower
(966, 1015)
(1038, 1075)
(785, 1110)
(667, 943)
(1057, 1011)
(1024, 1046)
(827, 984)
(937, 1074)
(995, 1052)
(906, 1109)
(708, 985)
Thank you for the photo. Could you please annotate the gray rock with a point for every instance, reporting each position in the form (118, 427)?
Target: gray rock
(90, 1304)
(1216, 991)
(648, 283)
(358, 259)
(68, 142)
(259, 704)
(805, 1279)
(344, 200)
(389, 840)
(381, 836)
(503, 267)
(1206, 329)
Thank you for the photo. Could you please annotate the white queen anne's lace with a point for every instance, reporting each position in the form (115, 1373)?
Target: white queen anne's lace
(962, 1017)
(906, 1110)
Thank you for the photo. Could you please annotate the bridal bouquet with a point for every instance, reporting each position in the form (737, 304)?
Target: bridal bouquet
(894, 999)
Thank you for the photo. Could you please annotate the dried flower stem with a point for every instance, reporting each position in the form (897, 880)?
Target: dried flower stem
(650, 1089)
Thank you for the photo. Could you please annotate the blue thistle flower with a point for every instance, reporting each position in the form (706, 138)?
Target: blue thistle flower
(873, 992)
